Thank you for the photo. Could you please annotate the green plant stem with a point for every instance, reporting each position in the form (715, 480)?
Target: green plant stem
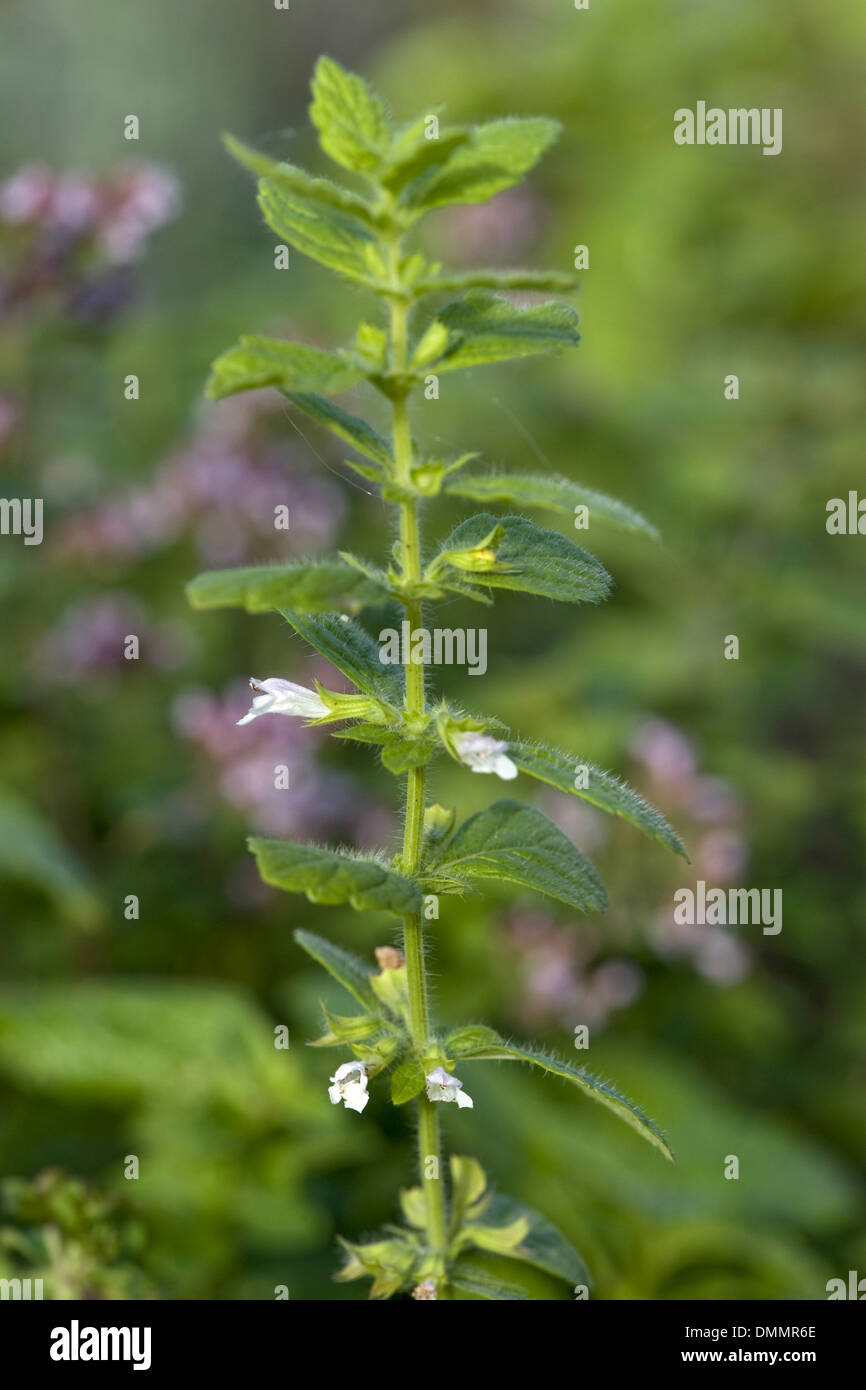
(413, 944)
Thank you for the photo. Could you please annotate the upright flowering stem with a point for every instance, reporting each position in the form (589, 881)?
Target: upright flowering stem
(409, 171)
(413, 944)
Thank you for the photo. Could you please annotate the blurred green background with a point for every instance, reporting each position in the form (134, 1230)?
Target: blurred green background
(154, 1037)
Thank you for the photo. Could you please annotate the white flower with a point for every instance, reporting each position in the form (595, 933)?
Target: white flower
(275, 696)
(441, 1086)
(482, 753)
(349, 1085)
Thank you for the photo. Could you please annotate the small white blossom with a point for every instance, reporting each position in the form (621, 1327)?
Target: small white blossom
(441, 1086)
(482, 753)
(275, 696)
(349, 1085)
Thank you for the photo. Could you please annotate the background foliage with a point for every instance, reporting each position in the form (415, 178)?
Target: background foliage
(154, 1037)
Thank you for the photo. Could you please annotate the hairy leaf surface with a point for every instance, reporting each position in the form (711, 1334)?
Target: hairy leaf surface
(350, 428)
(326, 234)
(329, 877)
(593, 1086)
(519, 844)
(348, 647)
(543, 1246)
(474, 1282)
(350, 118)
(497, 157)
(407, 1081)
(298, 181)
(603, 789)
(550, 492)
(485, 327)
(313, 588)
(255, 362)
(532, 560)
(413, 154)
(539, 280)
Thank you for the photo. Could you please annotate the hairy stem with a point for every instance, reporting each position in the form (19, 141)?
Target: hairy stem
(413, 945)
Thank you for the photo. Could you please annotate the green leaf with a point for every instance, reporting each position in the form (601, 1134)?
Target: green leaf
(593, 1086)
(348, 647)
(476, 1283)
(542, 1246)
(351, 120)
(333, 238)
(603, 789)
(255, 362)
(530, 559)
(413, 153)
(389, 1262)
(519, 844)
(366, 470)
(314, 588)
(553, 493)
(377, 576)
(298, 181)
(431, 344)
(329, 877)
(407, 1081)
(391, 987)
(350, 428)
(438, 829)
(463, 1041)
(541, 281)
(379, 1054)
(468, 1190)
(497, 157)
(485, 327)
(349, 1030)
(31, 852)
(414, 1207)
(329, 1039)
(121, 1041)
(399, 753)
(347, 969)
(371, 346)
(499, 1239)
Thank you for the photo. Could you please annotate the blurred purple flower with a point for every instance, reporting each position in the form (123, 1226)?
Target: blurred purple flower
(91, 634)
(664, 751)
(715, 953)
(8, 417)
(617, 983)
(74, 204)
(719, 856)
(224, 488)
(560, 982)
(136, 203)
(74, 236)
(26, 196)
(713, 800)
